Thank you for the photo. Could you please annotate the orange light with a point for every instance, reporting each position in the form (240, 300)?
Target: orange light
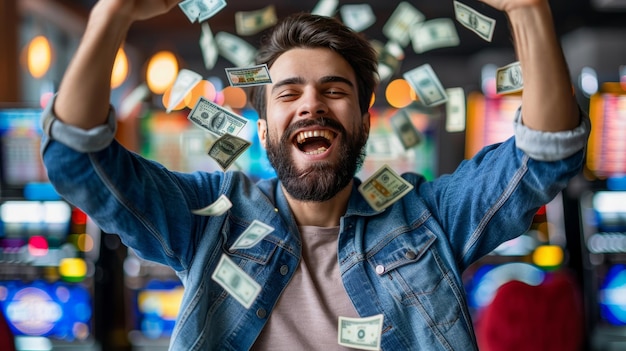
(39, 56)
(205, 89)
(84, 242)
(373, 100)
(120, 69)
(234, 97)
(161, 72)
(398, 93)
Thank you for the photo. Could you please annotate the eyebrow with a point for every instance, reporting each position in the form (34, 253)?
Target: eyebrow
(300, 80)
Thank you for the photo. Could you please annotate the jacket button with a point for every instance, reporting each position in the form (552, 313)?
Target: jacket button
(261, 313)
(410, 255)
(380, 269)
(284, 269)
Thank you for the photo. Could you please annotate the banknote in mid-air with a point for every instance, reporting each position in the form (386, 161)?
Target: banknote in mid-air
(426, 85)
(255, 232)
(383, 188)
(217, 208)
(227, 148)
(185, 81)
(357, 16)
(248, 76)
(474, 20)
(455, 110)
(235, 49)
(325, 8)
(405, 129)
(252, 22)
(360, 333)
(215, 119)
(400, 24)
(509, 78)
(201, 10)
(434, 34)
(208, 46)
(236, 282)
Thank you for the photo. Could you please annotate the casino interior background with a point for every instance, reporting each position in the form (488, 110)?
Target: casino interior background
(64, 285)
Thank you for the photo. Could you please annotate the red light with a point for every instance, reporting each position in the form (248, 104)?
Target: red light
(38, 246)
(78, 217)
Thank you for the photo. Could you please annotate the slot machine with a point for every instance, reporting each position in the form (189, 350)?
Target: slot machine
(603, 220)
(47, 247)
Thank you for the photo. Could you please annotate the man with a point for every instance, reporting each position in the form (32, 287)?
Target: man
(330, 254)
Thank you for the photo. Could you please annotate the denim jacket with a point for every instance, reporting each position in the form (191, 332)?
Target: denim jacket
(404, 262)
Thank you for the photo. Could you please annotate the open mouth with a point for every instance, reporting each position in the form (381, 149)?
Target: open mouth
(315, 142)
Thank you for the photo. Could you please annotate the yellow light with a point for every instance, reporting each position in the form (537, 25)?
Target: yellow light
(373, 100)
(120, 69)
(73, 269)
(162, 71)
(235, 97)
(39, 56)
(548, 256)
(398, 93)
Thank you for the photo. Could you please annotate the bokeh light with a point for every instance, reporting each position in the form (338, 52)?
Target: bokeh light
(398, 93)
(120, 69)
(39, 56)
(161, 72)
(235, 97)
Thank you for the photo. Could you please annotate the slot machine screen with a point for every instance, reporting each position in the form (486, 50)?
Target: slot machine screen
(20, 137)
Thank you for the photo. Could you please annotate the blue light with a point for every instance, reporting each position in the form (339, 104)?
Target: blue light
(613, 295)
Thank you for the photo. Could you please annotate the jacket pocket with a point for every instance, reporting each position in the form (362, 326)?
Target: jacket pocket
(412, 270)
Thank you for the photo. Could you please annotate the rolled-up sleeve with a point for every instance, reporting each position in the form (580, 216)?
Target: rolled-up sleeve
(78, 139)
(551, 146)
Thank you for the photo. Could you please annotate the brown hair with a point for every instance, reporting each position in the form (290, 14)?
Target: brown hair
(305, 30)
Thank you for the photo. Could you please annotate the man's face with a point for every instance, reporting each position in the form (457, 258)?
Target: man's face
(314, 133)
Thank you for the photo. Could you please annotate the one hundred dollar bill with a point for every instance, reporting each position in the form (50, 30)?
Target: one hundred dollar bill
(383, 188)
(357, 16)
(389, 57)
(236, 282)
(405, 129)
(249, 76)
(252, 22)
(217, 208)
(255, 232)
(474, 21)
(235, 49)
(509, 78)
(399, 25)
(426, 85)
(208, 46)
(216, 119)
(227, 149)
(455, 110)
(185, 81)
(325, 8)
(434, 34)
(201, 10)
(360, 333)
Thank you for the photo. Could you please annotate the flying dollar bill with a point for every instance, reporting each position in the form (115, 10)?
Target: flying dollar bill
(252, 22)
(509, 78)
(383, 188)
(217, 208)
(434, 34)
(325, 8)
(216, 119)
(227, 148)
(358, 16)
(236, 282)
(426, 85)
(360, 333)
(474, 21)
(235, 49)
(405, 130)
(208, 46)
(455, 110)
(255, 232)
(185, 81)
(249, 76)
(201, 10)
(399, 25)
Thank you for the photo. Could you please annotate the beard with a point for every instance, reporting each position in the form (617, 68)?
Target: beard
(321, 180)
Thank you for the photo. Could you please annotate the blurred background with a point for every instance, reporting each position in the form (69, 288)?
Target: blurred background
(66, 285)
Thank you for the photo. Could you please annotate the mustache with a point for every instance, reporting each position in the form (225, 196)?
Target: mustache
(317, 122)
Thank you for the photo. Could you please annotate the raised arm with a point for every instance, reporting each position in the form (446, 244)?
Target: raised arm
(84, 93)
(548, 103)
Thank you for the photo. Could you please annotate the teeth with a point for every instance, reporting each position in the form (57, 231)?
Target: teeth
(316, 152)
(326, 134)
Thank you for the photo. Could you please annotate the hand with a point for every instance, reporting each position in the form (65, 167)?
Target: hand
(136, 10)
(509, 5)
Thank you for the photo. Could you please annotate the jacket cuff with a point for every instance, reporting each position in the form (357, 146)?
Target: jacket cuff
(81, 140)
(551, 146)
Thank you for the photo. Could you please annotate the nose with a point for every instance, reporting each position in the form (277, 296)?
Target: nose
(312, 104)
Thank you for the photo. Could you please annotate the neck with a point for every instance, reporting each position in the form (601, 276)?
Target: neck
(320, 214)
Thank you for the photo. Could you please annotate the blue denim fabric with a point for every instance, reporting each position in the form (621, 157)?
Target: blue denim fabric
(404, 262)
